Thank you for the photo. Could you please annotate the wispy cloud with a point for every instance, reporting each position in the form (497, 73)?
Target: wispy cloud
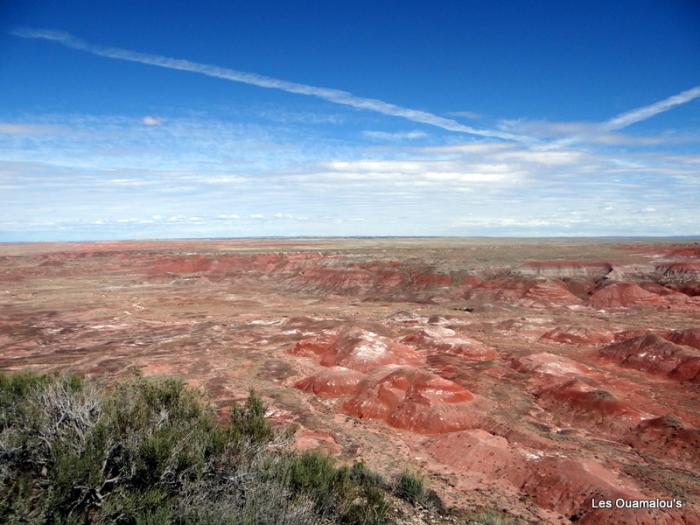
(568, 133)
(335, 96)
(637, 115)
(394, 136)
(465, 114)
(10, 128)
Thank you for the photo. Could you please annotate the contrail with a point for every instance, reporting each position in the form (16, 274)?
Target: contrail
(636, 115)
(331, 95)
(628, 118)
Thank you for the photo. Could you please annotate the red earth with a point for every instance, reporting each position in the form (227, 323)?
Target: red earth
(533, 375)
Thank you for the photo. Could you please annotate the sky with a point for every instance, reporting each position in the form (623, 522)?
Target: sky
(144, 120)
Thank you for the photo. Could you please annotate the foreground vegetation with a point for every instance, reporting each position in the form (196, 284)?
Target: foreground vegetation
(153, 452)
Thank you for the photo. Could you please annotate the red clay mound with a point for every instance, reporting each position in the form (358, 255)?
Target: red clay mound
(625, 335)
(690, 289)
(314, 347)
(523, 291)
(568, 486)
(335, 381)
(357, 349)
(413, 399)
(580, 404)
(579, 335)
(549, 364)
(655, 354)
(564, 485)
(679, 270)
(624, 294)
(442, 339)
(688, 370)
(663, 291)
(689, 337)
(478, 454)
(551, 293)
(684, 277)
(666, 437)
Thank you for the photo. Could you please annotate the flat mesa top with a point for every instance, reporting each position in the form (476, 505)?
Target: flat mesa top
(333, 243)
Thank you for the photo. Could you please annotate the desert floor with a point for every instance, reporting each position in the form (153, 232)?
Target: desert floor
(527, 375)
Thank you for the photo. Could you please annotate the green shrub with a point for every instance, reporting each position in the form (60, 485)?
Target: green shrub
(410, 487)
(248, 421)
(361, 475)
(151, 451)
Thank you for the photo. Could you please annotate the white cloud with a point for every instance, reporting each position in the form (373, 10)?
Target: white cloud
(151, 121)
(221, 179)
(128, 182)
(549, 158)
(476, 148)
(394, 136)
(290, 216)
(204, 168)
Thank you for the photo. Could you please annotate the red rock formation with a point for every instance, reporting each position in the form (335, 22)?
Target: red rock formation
(569, 269)
(654, 354)
(332, 382)
(549, 364)
(525, 292)
(551, 293)
(679, 270)
(357, 349)
(315, 346)
(666, 437)
(568, 486)
(625, 335)
(442, 339)
(581, 405)
(579, 335)
(413, 399)
(659, 289)
(624, 294)
(689, 337)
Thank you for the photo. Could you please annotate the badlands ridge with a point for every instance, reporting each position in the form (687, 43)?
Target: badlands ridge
(531, 376)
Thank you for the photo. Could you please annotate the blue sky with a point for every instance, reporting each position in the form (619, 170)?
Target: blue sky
(230, 119)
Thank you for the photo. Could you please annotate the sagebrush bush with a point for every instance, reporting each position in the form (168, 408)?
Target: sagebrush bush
(151, 451)
(410, 487)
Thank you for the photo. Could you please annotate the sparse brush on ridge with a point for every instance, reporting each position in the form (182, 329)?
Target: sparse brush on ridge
(151, 451)
(410, 487)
